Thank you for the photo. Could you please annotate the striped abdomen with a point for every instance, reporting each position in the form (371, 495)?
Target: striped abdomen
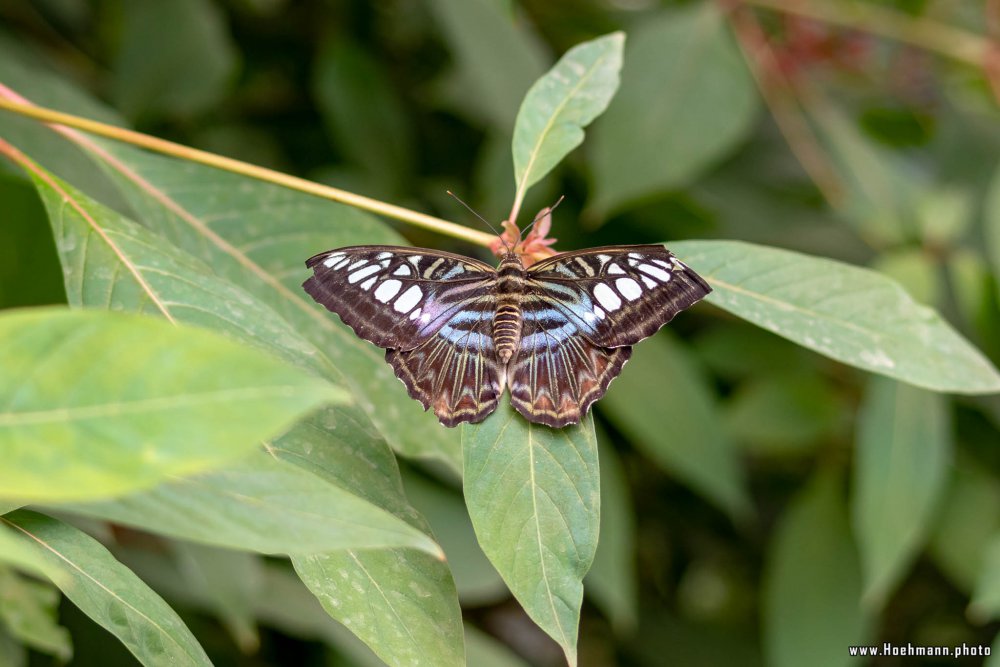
(507, 329)
(507, 320)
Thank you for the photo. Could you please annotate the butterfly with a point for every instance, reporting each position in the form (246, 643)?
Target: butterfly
(458, 332)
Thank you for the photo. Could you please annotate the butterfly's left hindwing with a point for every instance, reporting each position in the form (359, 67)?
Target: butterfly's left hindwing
(455, 372)
(395, 297)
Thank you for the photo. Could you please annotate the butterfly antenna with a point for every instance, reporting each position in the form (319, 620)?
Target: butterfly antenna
(542, 214)
(484, 220)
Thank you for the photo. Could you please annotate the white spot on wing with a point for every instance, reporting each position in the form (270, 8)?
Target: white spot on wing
(603, 259)
(360, 274)
(629, 288)
(383, 255)
(360, 262)
(403, 270)
(414, 259)
(648, 282)
(600, 313)
(408, 299)
(367, 285)
(614, 269)
(665, 264)
(655, 271)
(333, 259)
(607, 297)
(415, 314)
(387, 290)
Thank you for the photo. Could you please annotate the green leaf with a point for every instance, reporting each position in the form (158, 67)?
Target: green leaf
(847, 313)
(903, 454)
(230, 581)
(14, 552)
(559, 105)
(109, 593)
(388, 602)
(28, 610)
(12, 652)
(881, 189)
(534, 497)
(362, 110)
(496, 60)
(264, 505)
(401, 602)
(30, 73)
(485, 651)
(476, 579)
(611, 582)
(992, 220)
(257, 235)
(914, 270)
(100, 404)
(812, 582)
(788, 413)
(686, 100)
(695, 447)
(174, 58)
(985, 605)
(968, 518)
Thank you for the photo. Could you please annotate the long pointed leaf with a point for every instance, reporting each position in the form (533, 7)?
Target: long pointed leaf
(264, 505)
(534, 497)
(560, 104)
(99, 404)
(901, 466)
(848, 313)
(109, 593)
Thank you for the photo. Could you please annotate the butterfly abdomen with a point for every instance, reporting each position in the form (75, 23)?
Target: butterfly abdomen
(507, 321)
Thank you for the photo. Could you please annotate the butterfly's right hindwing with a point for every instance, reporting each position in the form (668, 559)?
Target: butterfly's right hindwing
(396, 297)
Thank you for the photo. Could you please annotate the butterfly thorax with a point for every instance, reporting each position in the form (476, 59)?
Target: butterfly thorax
(507, 321)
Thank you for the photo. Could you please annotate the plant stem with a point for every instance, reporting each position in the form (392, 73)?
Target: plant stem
(238, 167)
(962, 45)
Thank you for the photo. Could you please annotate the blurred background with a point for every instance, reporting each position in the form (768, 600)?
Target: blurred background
(731, 532)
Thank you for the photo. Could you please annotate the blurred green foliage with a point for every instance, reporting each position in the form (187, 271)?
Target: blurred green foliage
(768, 505)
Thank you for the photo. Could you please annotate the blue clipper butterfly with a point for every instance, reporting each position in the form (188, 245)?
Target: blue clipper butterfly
(458, 331)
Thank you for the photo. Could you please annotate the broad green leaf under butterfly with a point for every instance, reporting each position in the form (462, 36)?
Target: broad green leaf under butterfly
(903, 451)
(850, 314)
(100, 404)
(260, 504)
(108, 592)
(534, 497)
(560, 104)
